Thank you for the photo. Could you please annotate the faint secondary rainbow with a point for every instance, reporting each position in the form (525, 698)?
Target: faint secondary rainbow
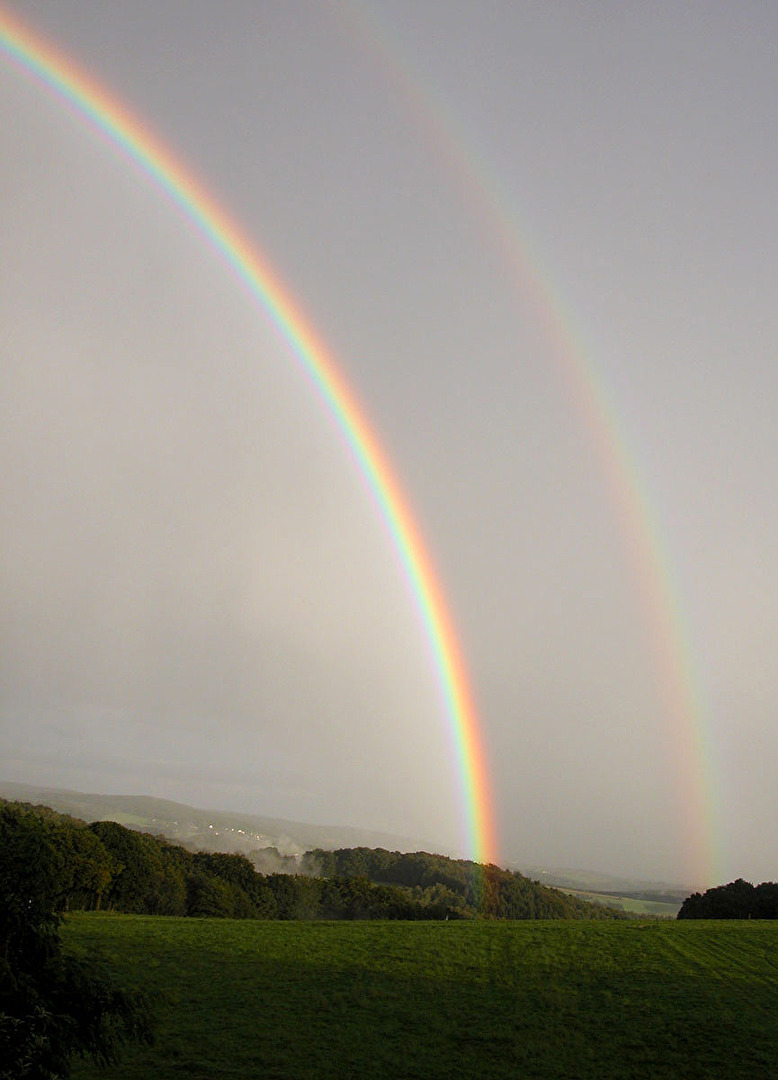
(92, 103)
(645, 549)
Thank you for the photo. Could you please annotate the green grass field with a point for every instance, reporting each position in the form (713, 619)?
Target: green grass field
(369, 999)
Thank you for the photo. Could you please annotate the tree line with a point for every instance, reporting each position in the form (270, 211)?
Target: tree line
(737, 900)
(106, 866)
(462, 888)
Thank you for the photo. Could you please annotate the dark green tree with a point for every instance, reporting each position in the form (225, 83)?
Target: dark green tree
(737, 900)
(135, 860)
(52, 1005)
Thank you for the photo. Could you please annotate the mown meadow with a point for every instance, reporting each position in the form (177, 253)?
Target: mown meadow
(482, 999)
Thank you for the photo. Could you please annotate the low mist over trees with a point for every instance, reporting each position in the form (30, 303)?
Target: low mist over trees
(738, 900)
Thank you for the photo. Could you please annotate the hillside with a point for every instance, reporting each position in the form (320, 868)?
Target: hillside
(637, 896)
(209, 830)
(277, 844)
(464, 888)
(105, 865)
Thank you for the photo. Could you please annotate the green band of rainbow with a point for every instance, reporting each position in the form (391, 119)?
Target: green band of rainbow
(92, 103)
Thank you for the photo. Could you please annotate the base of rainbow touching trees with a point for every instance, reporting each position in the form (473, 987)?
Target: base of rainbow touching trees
(141, 148)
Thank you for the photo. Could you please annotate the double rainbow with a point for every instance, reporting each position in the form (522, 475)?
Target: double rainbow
(123, 130)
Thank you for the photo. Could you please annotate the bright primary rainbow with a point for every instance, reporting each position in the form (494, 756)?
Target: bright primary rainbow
(93, 104)
(643, 543)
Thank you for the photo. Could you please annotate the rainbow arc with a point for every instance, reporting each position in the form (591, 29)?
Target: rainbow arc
(134, 139)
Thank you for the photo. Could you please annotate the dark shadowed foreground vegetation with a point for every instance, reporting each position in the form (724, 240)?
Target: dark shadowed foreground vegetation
(53, 1004)
(459, 999)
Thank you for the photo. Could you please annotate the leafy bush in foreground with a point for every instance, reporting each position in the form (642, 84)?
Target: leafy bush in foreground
(52, 1006)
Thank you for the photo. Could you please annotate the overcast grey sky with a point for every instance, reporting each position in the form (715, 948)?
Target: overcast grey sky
(199, 599)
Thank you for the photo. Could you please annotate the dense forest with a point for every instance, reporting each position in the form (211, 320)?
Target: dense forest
(105, 866)
(462, 888)
(738, 900)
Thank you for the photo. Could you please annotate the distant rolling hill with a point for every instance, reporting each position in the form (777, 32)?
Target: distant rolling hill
(212, 830)
(635, 895)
